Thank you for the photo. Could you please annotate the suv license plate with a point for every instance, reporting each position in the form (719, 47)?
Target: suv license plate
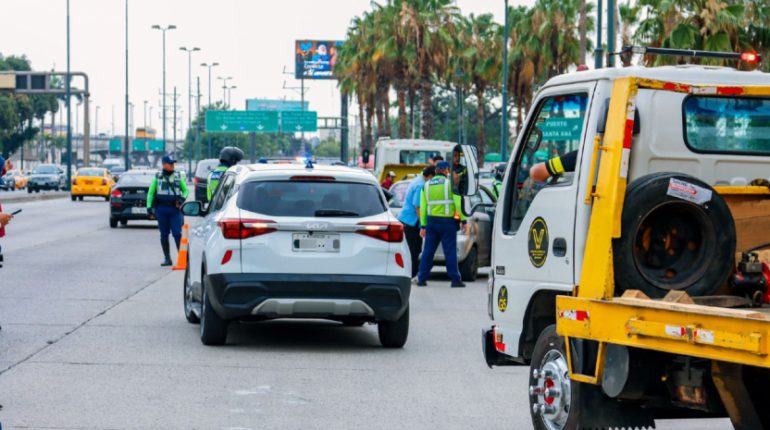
(306, 242)
(139, 211)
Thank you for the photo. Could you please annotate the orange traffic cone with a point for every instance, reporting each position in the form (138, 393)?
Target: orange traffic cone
(181, 259)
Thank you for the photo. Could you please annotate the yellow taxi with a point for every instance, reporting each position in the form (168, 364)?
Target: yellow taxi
(16, 179)
(92, 181)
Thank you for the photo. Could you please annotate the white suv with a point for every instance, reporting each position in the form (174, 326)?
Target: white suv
(293, 241)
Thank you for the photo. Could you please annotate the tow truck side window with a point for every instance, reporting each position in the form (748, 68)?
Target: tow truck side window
(738, 125)
(556, 131)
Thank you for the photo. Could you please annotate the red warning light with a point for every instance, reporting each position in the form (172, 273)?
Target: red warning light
(750, 57)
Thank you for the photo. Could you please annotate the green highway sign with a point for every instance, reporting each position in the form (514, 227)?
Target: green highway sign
(561, 129)
(115, 145)
(230, 121)
(299, 121)
(139, 145)
(156, 145)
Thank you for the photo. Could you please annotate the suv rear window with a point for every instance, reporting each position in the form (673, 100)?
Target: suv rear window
(727, 124)
(204, 167)
(311, 199)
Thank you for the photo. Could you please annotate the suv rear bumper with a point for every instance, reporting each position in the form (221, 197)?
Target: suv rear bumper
(376, 298)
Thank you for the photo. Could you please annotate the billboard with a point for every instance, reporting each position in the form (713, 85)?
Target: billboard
(274, 104)
(315, 59)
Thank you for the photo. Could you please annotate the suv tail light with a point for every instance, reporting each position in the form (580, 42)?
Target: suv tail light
(244, 229)
(116, 194)
(392, 232)
(74, 181)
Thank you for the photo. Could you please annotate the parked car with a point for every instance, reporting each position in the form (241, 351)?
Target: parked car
(93, 182)
(14, 180)
(128, 199)
(474, 248)
(201, 178)
(287, 241)
(46, 177)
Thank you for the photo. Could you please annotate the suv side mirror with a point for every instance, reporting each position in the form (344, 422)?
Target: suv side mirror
(465, 170)
(194, 208)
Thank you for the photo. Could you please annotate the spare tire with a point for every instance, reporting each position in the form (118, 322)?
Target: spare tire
(677, 233)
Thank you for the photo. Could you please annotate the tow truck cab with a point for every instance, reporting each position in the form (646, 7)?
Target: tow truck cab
(694, 126)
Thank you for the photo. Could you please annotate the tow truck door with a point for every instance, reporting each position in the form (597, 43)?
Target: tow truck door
(534, 243)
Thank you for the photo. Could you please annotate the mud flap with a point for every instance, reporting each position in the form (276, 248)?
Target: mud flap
(744, 393)
(597, 411)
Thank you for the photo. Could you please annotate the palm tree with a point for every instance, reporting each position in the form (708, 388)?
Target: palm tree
(478, 37)
(430, 25)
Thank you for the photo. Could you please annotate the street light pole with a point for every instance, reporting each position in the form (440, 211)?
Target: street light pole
(224, 88)
(189, 97)
(144, 124)
(126, 158)
(164, 30)
(504, 128)
(69, 95)
(209, 65)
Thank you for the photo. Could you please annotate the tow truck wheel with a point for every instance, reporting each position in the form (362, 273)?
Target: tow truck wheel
(552, 395)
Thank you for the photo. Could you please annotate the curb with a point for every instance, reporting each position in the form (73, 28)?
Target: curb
(33, 197)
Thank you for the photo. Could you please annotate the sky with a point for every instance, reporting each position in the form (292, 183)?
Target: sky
(252, 40)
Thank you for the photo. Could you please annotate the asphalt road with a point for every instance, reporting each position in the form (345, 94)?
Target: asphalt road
(93, 337)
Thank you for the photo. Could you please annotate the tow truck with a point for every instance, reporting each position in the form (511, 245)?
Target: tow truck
(636, 287)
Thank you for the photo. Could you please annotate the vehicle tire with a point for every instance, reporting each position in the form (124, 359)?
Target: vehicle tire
(124, 222)
(113, 222)
(80, 198)
(393, 334)
(213, 327)
(550, 354)
(188, 299)
(668, 243)
(469, 268)
(107, 198)
(29, 190)
(73, 198)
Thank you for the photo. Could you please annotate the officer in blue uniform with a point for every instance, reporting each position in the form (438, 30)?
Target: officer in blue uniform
(168, 191)
(438, 208)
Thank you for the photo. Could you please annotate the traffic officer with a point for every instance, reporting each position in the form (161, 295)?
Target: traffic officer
(229, 156)
(438, 206)
(497, 184)
(168, 191)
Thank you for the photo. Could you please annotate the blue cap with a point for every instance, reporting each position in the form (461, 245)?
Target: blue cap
(168, 159)
(442, 165)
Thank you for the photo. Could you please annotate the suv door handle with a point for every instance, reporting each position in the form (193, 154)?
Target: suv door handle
(559, 247)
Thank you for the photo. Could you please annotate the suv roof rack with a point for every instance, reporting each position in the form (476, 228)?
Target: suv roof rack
(748, 57)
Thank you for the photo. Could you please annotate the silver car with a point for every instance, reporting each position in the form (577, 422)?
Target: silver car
(474, 249)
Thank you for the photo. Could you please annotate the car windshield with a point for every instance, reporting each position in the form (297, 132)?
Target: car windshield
(135, 180)
(418, 157)
(90, 172)
(204, 167)
(117, 169)
(399, 193)
(45, 170)
(311, 199)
